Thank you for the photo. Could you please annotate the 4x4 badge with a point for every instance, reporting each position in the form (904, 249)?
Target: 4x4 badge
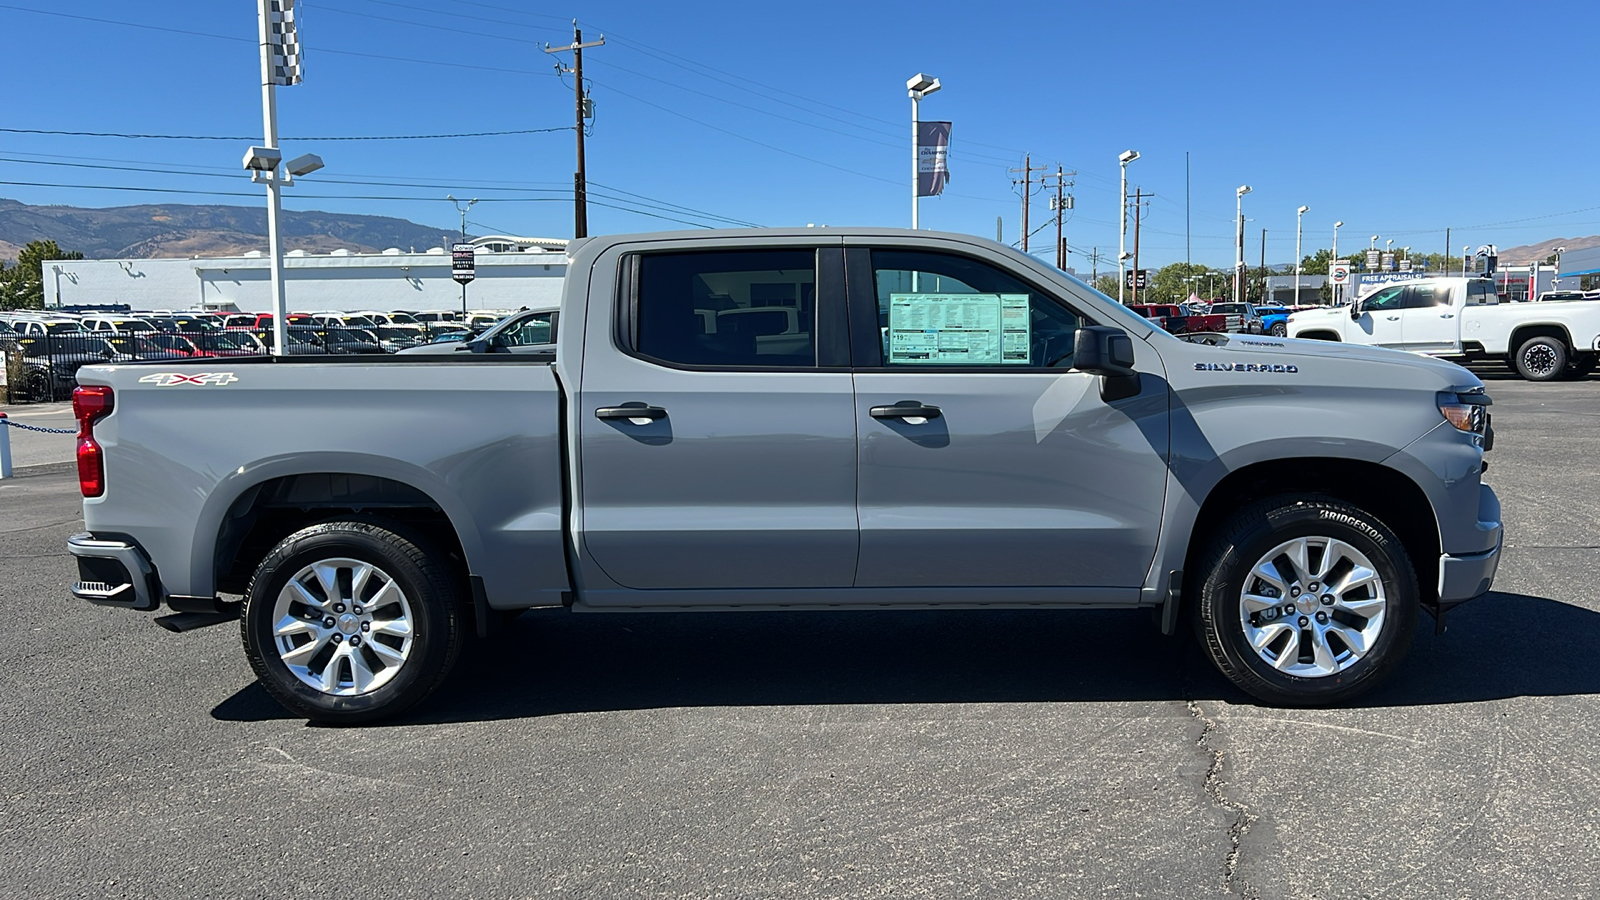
(167, 379)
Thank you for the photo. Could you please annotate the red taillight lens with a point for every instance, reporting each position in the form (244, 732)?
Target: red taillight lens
(90, 403)
(91, 467)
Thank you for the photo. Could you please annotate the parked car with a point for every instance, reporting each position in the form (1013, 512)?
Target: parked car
(1463, 318)
(528, 331)
(1175, 319)
(103, 324)
(1015, 439)
(1240, 318)
(1274, 319)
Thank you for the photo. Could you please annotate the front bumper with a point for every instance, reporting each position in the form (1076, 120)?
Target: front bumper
(1464, 576)
(113, 573)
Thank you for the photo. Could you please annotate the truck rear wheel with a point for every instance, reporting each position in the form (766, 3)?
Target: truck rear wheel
(1306, 601)
(1541, 358)
(351, 622)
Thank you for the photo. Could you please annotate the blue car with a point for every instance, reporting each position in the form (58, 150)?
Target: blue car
(1274, 319)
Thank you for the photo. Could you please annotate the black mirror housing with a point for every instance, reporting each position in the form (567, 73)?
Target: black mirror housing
(1355, 310)
(1103, 350)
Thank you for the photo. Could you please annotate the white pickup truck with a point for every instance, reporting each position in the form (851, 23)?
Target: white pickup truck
(1463, 318)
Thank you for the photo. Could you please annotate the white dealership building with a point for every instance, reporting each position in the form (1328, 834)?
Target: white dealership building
(512, 272)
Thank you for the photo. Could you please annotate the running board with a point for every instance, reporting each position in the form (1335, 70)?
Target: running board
(178, 623)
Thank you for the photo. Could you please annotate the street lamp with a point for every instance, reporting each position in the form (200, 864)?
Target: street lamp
(463, 211)
(266, 166)
(1333, 259)
(1298, 214)
(917, 86)
(1125, 157)
(1238, 244)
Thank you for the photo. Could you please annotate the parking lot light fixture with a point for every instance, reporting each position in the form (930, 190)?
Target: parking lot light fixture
(918, 86)
(1333, 258)
(1238, 243)
(1123, 158)
(1298, 215)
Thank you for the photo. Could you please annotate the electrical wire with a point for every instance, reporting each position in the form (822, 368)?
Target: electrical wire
(235, 137)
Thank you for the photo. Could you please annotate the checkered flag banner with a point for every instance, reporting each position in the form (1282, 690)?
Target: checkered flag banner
(283, 44)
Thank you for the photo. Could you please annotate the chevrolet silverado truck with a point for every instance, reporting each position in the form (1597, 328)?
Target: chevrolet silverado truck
(788, 420)
(1463, 319)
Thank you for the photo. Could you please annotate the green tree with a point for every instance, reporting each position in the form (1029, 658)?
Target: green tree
(1106, 284)
(22, 285)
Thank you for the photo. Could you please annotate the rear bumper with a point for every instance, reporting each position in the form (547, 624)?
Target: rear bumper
(1464, 576)
(113, 573)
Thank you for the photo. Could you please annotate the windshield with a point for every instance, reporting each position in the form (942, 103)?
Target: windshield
(63, 327)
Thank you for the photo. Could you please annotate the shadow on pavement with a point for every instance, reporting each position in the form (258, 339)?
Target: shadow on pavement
(551, 661)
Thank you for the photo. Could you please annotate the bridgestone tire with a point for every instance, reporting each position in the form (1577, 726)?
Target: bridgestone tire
(1257, 530)
(430, 591)
(1541, 359)
(1279, 329)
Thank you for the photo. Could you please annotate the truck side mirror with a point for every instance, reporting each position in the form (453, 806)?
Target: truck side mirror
(1103, 350)
(1355, 310)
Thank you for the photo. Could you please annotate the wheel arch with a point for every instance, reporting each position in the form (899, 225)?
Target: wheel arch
(1525, 332)
(1389, 494)
(247, 515)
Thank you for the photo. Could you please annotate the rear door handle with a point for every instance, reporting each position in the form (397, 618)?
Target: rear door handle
(630, 412)
(1394, 318)
(909, 409)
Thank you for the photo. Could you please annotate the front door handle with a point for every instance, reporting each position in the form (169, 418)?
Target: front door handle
(641, 411)
(1394, 318)
(906, 409)
(1447, 315)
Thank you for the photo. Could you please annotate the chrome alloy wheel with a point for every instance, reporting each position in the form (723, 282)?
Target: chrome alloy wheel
(1539, 360)
(1312, 606)
(343, 627)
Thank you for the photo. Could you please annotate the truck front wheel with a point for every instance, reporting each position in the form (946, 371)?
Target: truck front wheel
(351, 622)
(1306, 601)
(1541, 358)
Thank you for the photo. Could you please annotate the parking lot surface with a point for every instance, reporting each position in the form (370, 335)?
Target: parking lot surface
(869, 754)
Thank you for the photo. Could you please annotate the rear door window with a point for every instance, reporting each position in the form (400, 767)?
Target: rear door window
(754, 308)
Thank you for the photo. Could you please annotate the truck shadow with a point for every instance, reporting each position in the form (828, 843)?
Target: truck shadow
(551, 662)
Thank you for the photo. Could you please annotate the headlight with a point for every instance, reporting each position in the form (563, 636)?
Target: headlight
(1467, 411)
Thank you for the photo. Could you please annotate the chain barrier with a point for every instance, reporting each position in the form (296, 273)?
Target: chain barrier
(40, 428)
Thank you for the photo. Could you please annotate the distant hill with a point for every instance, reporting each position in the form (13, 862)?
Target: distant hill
(1531, 253)
(181, 230)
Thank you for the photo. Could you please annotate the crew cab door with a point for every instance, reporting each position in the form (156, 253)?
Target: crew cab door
(1380, 322)
(1430, 322)
(716, 425)
(981, 463)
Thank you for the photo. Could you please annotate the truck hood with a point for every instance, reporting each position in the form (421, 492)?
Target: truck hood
(1274, 350)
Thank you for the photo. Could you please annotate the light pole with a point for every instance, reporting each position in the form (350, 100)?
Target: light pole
(1388, 250)
(1464, 251)
(1297, 216)
(918, 86)
(1333, 258)
(1238, 244)
(1123, 158)
(463, 211)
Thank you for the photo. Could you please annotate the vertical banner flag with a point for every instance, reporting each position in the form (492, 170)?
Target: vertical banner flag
(283, 43)
(933, 158)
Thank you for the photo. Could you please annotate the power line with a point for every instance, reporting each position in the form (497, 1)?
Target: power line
(236, 137)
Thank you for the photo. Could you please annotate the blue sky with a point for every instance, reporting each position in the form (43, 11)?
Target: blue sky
(1401, 119)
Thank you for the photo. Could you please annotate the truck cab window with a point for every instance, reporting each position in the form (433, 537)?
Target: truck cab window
(941, 310)
(744, 308)
(1386, 299)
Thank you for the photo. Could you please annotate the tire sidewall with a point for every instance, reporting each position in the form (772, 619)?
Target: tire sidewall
(1279, 329)
(1220, 601)
(1556, 370)
(433, 622)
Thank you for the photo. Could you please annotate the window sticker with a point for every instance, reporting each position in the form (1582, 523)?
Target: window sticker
(970, 329)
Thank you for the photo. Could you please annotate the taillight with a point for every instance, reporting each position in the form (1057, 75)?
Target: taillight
(90, 403)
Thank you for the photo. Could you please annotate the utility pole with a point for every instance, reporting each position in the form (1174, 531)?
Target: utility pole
(1139, 196)
(1094, 265)
(1026, 181)
(1062, 201)
(1263, 266)
(580, 180)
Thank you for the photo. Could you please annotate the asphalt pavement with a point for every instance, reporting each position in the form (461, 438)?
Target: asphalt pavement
(849, 755)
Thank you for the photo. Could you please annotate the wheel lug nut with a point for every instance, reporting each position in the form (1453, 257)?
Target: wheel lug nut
(1288, 610)
(355, 640)
(356, 610)
(366, 626)
(1304, 621)
(1322, 618)
(337, 638)
(1327, 599)
(329, 622)
(338, 607)
(1311, 588)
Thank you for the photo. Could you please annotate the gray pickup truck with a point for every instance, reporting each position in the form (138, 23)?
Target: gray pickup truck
(794, 419)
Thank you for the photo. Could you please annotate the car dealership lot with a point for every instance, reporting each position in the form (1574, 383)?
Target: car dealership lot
(938, 754)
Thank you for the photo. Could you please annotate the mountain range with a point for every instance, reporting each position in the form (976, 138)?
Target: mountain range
(183, 230)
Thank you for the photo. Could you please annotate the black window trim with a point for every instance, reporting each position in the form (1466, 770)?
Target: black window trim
(831, 340)
(866, 340)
